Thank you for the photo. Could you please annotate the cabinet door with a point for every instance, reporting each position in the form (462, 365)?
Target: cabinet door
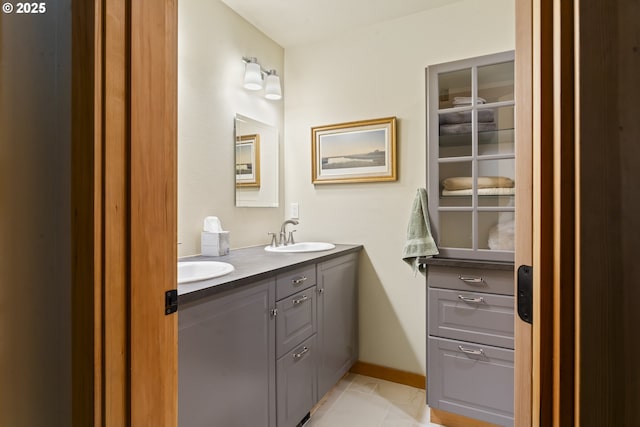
(296, 383)
(296, 320)
(226, 359)
(337, 320)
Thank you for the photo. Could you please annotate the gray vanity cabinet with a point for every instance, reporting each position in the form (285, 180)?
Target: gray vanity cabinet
(226, 359)
(262, 354)
(337, 320)
(470, 344)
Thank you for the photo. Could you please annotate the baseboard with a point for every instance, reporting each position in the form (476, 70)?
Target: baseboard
(453, 420)
(389, 374)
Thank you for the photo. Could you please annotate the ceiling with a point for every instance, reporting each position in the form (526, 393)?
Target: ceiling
(298, 22)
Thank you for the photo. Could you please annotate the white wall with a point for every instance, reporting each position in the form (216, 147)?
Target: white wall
(212, 39)
(376, 72)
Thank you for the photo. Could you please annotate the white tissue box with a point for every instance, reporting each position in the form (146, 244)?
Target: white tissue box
(214, 243)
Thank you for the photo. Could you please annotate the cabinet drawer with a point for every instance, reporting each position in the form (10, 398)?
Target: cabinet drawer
(296, 383)
(472, 380)
(295, 280)
(471, 316)
(296, 319)
(472, 279)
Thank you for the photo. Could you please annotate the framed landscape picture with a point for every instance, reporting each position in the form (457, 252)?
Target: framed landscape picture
(248, 161)
(362, 151)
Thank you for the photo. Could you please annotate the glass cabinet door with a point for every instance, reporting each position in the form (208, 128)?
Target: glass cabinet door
(471, 163)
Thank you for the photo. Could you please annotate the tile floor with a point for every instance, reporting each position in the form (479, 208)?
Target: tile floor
(360, 401)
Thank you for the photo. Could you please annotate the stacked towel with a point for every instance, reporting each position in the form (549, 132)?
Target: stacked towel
(484, 116)
(460, 122)
(486, 186)
(420, 243)
(466, 182)
(461, 128)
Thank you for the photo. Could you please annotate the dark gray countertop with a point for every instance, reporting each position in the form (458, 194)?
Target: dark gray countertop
(252, 264)
(454, 262)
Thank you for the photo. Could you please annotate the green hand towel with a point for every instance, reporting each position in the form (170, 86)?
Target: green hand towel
(420, 243)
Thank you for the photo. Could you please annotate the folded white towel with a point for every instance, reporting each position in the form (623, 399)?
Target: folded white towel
(466, 100)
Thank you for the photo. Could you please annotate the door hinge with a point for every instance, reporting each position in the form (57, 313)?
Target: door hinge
(525, 293)
(170, 301)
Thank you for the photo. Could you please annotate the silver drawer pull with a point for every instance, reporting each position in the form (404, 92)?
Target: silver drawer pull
(302, 353)
(468, 279)
(300, 300)
(299, 280)
(471, 299)
(479, 352)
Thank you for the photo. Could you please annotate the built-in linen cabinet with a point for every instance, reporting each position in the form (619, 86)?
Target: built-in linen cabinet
(264, 353)
(471, 157)
(471, 190)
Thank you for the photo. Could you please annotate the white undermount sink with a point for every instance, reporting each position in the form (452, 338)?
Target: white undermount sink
(302, 247)
(194, 271)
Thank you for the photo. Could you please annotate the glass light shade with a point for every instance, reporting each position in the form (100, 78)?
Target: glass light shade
(272, 88)
(252, 76)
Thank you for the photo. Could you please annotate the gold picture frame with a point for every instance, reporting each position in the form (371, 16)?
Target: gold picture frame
(360, 151)
(248, 160)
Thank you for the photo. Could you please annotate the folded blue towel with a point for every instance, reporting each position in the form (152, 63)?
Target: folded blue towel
(420, 243)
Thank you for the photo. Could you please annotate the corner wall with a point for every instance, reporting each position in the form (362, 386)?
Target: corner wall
(377, 72)
(212, 39)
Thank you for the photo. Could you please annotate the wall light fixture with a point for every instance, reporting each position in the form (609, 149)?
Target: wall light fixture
(254, 75)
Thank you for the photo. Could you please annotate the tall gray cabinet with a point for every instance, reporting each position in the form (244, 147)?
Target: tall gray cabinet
(264, 353)
(471, 189)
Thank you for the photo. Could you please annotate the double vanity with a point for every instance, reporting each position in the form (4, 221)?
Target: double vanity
(261, 344)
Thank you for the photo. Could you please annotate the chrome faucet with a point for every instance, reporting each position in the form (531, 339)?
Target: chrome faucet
(283, 232)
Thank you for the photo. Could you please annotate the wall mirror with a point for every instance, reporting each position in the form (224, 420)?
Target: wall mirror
(256, 163)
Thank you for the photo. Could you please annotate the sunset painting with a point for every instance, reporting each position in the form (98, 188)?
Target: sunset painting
(354, 152)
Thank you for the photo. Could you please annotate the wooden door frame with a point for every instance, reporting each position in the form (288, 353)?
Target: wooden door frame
(124, 204)
(555, 214)
(523, 397)
(545, 58)
(124, 148)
